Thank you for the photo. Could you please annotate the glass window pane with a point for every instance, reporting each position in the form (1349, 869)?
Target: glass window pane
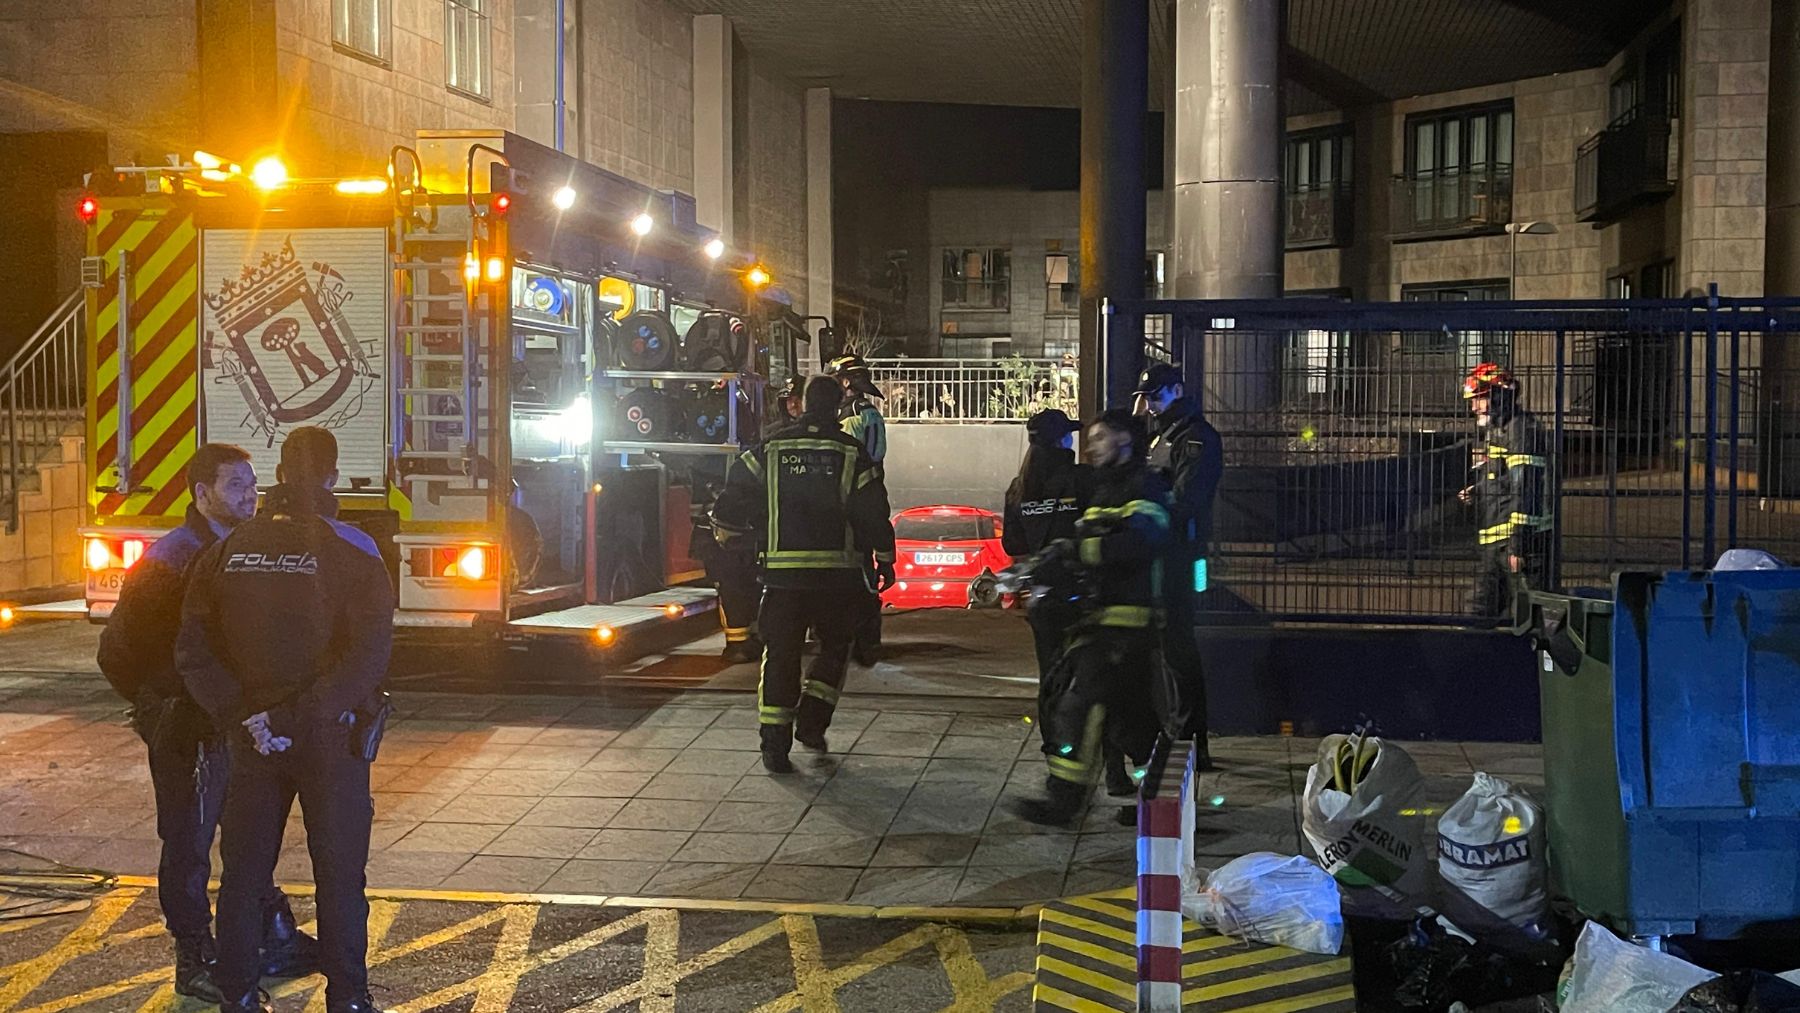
(1452, 145)
(1346, 159)
(1503, 137)
(1327, 171)
(1424, 148)
(1304, 163)
(1478, 140)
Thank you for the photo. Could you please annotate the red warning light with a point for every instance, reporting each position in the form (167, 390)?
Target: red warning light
(87, 209)
(501, 203)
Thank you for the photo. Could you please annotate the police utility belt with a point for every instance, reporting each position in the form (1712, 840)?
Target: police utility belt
(368, 724)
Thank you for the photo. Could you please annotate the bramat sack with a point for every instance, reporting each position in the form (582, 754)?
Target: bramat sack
(1491, 861)
(1363, 818)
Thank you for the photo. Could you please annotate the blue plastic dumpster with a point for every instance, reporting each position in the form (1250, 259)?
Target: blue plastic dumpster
(1671, 718)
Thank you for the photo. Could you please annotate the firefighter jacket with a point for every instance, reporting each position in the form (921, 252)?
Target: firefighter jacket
(862, 420)
(137, 647)
(1121, 541)
(818, 503)
(1512, 482)
(291, 613)
(1044, 501)
(1186, 450)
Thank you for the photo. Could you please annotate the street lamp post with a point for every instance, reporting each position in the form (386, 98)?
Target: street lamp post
(1512, 235)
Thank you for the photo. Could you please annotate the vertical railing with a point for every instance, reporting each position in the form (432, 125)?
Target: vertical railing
(41, 397)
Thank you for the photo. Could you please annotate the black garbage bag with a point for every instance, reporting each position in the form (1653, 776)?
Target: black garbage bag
(1741, 992)
(1435, 968)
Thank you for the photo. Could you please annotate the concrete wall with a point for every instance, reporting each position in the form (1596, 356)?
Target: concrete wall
(348, 111)
(770, 177)
(638, 90)
(960, 465)
(45, 551)
(1030, 224)
(1725, 63)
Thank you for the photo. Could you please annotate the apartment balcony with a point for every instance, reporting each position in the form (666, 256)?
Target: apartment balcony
(1451, 204)
(1625, 166)
(1319, 216)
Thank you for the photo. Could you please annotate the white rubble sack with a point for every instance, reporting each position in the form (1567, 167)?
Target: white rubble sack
(1370, 836)
(1491, 861)
(1609, 975)
(1283, 900)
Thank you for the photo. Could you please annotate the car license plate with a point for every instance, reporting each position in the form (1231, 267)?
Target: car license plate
(938, 558)
(104, 585)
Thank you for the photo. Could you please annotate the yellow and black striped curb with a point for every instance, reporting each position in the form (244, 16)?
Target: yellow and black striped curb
(1087, 963)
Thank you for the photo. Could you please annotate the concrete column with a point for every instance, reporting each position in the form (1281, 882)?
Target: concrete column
(1168, 180)
(819, 296)
(1228, 215)
(713, 185)
(1780, 466)
(1115, 82)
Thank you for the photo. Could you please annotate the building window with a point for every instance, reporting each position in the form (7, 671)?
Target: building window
(1471, 347)
(1458, 177)
(1153, 274)
(978, 279)
(1657, 281)
(1619, 286)
(1318, 361)
(467, 40)
(362, 27)
(1317, 185)
(1062, 285)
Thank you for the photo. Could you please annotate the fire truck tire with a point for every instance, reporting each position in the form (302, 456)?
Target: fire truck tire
(646, 341)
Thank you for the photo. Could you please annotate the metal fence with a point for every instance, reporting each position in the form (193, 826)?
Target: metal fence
(1674, 426)
(974, 390)
(40, 401)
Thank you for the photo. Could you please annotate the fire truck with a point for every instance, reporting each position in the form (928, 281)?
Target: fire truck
(533, 368)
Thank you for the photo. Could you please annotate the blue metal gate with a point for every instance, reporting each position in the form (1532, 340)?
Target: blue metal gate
(1675, 430)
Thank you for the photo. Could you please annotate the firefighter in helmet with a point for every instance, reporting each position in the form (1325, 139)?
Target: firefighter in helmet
(862, 420)
(1510, 472)
(815, 502)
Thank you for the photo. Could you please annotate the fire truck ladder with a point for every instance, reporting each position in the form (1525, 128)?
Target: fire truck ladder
(442, 341)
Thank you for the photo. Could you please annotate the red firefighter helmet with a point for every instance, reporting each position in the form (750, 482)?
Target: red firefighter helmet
(1484, 379)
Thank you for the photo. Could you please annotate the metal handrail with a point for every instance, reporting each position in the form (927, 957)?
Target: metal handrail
(41, 392)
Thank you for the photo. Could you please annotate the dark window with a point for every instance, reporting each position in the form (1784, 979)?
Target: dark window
(1472, 347)
(977, 279)
(945, 528)
(1062, 288)
(1657, 281)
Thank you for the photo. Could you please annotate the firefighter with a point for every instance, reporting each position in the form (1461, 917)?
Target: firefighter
(1186, 450)
(863, 421)
(188, 766)
(1103, 687)
(818, 506)
(1511, 466)
(789, 406)
(285, 638)
(1042, 505)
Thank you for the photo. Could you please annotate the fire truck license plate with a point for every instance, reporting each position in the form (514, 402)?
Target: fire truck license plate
(938, 558)
(105, 584)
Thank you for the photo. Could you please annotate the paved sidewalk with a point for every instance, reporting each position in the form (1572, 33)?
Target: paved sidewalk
(535, 794)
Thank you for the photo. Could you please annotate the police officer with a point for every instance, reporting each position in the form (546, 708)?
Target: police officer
(285, 638)
(1186, 450)
(863, 421)
(1120, 543)
(188, 764)
(819, 506)
(1042, 505)
(1511, 463)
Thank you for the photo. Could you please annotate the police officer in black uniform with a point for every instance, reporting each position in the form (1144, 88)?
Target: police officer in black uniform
(285, 638)
(1186, 450)
(188, 763)
(1103, 695)
(816, 502)
(1042, 505)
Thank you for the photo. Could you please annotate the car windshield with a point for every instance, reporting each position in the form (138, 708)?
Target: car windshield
(944, 527)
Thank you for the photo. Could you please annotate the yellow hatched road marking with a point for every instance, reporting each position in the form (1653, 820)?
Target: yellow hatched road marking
(1092, 979)
(1062, 1000)
(1311, 1000)
(1262, 981)
(1088, 925)
(87, 938)
(1092, 951)
(1246, 958)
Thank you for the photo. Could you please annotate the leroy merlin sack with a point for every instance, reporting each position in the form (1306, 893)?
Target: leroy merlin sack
(1363, 819)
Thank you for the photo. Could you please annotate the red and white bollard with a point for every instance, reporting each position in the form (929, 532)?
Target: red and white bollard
(1165, 864)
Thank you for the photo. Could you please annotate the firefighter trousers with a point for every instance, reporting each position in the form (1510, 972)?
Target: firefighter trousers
(740, 589)
(332, 786)
(1102, 697)
(1494, 578)
(784, 697)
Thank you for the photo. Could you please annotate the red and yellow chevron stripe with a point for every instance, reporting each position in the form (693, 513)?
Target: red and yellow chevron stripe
(164, 251)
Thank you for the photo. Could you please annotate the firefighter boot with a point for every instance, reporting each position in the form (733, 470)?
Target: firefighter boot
(811, 719)
(1118, 780)
(193, 969)
(1058, 808)
(739, 652)
(287, 952)
(776, 741)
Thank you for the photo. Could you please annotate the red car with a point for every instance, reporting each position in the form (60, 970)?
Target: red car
(940, 552)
